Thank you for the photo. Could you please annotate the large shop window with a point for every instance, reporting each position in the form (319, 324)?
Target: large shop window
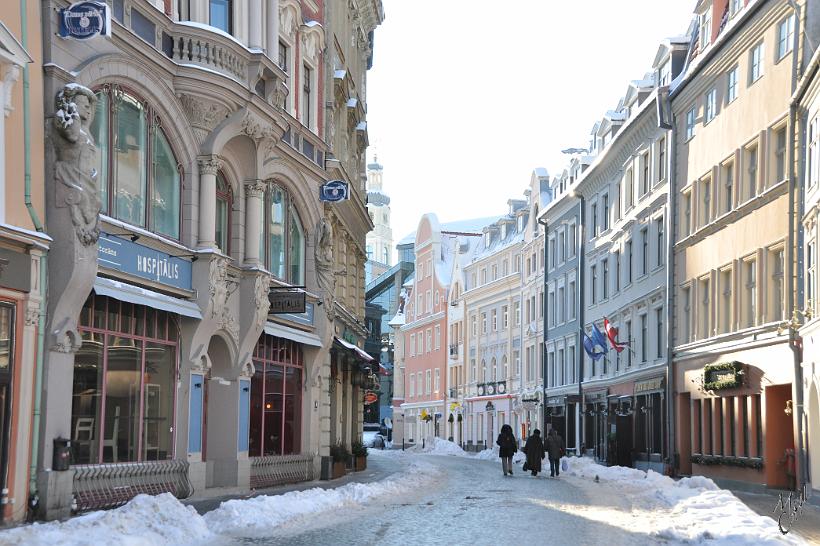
(139, 176)
(6, 375)
(124, 383)
(282, 243)
(276, 397)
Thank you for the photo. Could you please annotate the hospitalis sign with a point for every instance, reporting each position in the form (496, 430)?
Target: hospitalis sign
(333, 191)
(141, 261)
(85, 20)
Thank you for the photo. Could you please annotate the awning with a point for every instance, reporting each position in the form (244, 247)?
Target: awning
(358, 352)
(299, 336)
(141, 296)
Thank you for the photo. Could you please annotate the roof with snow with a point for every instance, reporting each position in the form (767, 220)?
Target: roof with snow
(474, 225)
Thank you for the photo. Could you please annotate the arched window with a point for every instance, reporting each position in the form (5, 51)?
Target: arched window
(494, 371)
(282, 245)
(224, 205)
(139, 176)
(504, 370)
(484, 371)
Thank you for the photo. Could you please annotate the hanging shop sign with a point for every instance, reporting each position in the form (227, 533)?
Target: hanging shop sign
(371, 397)
(85, 20)
(333, 191)
(649, 385)
(286, 300)
(123, 255)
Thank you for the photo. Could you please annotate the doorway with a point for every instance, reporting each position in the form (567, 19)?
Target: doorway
(220, 419)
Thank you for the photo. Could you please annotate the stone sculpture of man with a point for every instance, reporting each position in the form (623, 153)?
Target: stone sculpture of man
(76, 160)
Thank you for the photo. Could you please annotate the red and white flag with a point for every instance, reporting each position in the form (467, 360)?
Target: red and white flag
(612, 334)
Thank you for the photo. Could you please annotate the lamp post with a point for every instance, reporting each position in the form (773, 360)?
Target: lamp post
(489, 408)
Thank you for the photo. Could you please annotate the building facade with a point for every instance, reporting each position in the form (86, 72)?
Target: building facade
(561, 220)
(733, 366)
(23, 256)
(196, 212)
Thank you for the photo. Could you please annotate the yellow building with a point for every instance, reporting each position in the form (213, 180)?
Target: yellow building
(733, 368)
(22, 247)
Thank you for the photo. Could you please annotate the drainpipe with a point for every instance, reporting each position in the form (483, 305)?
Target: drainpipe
(581, 298)
(794, 236)
(671, 216)
(546, 315)
(35, 220)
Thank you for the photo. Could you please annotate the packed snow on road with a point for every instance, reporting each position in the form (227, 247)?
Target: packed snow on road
(616, 504)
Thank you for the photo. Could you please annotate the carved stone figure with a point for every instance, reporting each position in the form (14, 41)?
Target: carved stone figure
(261, 289)
(203, 115)
(323, 251)
(76, 159)
(218, 286)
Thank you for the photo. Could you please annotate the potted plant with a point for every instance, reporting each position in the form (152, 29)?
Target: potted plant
(359, 453)
(340, 456)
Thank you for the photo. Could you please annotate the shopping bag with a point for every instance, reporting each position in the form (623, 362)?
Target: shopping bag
(564, 465)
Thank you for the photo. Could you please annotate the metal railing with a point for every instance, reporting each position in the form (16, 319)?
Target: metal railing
(104, 486)
(280, 469)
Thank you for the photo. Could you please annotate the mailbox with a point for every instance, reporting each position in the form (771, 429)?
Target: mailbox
(62, 454)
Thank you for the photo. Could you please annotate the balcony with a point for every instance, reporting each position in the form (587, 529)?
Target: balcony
(492, 388)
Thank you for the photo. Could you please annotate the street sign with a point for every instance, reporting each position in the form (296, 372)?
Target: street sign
(371, 397)
(85, 20)
(286, 301)
(333, 191)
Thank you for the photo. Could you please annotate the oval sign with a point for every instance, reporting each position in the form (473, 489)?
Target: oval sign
(84, 20)
(370, 397)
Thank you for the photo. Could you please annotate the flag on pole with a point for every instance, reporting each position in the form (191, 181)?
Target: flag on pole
(599, 338)
(589, 347)
(612, 334)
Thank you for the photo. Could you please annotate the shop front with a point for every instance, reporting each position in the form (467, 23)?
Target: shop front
(595, 423)
(649, 417)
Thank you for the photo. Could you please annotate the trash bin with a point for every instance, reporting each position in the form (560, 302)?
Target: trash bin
(62, 454)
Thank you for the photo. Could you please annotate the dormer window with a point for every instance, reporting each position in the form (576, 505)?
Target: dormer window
(521, 223)
(705, 24)
(665, 73)
(487, 238)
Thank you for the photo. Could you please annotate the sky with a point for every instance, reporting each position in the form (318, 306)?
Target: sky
(466, 97)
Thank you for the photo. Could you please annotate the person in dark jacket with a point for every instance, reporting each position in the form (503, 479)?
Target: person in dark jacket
(554, 446)
(534, 448)
(506, 448)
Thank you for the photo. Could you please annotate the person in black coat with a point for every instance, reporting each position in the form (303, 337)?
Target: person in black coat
(534, 448)
(554, 446)
(506, 448)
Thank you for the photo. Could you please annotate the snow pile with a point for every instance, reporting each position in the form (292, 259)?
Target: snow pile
(257, 516)
(492, 455)
(438, 446)
(690, 510)
(146, 520)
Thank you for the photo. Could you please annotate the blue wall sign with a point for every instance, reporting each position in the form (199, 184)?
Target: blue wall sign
(333, 190)
(122, 255)
(84, 20)
(243, 433)
(195, 413)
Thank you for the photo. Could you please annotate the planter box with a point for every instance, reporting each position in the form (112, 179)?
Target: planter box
(339, 470)
(359, 463)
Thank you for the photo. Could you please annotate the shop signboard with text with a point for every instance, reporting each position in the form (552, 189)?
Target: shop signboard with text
(123, 255)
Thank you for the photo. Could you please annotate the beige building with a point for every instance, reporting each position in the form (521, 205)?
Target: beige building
(806, 173)
(733, 369)
(23, 247)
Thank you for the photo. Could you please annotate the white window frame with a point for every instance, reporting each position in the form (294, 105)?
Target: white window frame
(691, 116)
(710, 106)
(785, 37)
(731, 84)
(757, 57)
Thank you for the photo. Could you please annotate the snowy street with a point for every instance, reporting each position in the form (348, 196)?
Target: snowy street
(442, 497)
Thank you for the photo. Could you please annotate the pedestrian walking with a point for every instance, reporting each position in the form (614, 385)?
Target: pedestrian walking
(534, 448)
(554, 446)
(506, 448)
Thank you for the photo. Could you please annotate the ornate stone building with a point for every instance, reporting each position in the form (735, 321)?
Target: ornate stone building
(199, 139)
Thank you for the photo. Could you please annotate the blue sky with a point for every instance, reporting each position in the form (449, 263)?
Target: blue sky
(466, 97)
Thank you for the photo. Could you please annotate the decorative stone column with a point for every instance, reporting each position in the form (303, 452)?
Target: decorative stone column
(255, 25)
(209, 165)
(254, 193)
(73, 211)
(272, 29)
